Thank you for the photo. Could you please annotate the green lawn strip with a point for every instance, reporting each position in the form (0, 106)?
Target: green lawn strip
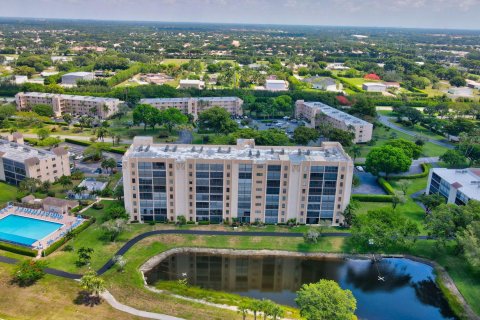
(7, 193)
(422, 131)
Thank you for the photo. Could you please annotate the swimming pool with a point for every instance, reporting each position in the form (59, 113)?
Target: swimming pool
(25, 231)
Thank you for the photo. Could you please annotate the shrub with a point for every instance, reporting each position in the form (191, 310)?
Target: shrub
(372, 197)
(18, 249)
(98, 206)
(28, 272)
(386, 186)
(425, 167)
(63, 240)
(204, 222)
(152, 223)
(51, 193)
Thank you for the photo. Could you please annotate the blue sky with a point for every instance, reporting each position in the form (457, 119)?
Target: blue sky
(463, 14)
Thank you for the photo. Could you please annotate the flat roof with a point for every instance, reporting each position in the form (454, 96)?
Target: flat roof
(337, 114)
(213, 99)
(191, 81)
(329, 151)
(20, 153)
(70, 97)
(374, 84)
(78, 74)
(466, 180)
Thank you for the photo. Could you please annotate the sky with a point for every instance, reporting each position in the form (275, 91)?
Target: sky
(457, 14)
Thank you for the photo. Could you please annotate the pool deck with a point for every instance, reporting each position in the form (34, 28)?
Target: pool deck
(68, 222)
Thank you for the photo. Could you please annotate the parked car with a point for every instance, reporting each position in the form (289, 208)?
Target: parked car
(98, 171)
(119, 164)
(360, 168)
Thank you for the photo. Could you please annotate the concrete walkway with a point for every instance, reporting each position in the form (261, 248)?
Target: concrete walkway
(386, 121)
(107, 296)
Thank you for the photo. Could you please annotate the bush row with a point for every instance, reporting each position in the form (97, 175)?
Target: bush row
(61, 241)
(425, 168)
(372, 197)
(386, 186)
(18, 249)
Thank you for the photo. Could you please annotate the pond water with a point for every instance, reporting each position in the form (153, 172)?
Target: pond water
(407, 292)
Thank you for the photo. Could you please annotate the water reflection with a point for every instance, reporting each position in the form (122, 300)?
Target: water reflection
(407, 292)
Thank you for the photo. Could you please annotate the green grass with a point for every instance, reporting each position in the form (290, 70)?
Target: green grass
(384, 134)
(422, 131)
(7, 193)
(176, 62)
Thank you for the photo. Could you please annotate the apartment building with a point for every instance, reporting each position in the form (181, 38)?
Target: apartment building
(456, 186)
(18, 161)
(316, 112)
(194, 106)
(188, 84)
(245, 182)
(63, 103)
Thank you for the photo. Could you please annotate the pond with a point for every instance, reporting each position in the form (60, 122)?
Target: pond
(392, 288)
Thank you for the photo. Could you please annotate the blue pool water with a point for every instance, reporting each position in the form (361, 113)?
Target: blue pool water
(25, 231)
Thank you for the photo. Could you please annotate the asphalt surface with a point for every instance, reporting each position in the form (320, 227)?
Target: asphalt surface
(142, 236)
(87, 167)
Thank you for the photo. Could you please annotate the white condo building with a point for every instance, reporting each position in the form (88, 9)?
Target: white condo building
(313, 112)
(245, 182)
(63, 103)
(194, 106)
(455, 185)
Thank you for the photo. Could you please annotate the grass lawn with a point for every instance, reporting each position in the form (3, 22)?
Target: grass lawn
(7, 193)
(176, 62)
(384, 134)
(422, 131)
(51, 298)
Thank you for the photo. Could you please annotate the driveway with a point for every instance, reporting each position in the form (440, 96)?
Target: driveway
(87, 167)
(368, 184)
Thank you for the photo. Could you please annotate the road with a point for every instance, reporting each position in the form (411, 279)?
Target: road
(386, 121)
(87, 167)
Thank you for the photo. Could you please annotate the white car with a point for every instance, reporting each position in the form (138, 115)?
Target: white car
(360, 168)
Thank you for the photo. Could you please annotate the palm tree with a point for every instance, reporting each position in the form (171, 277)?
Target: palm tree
(29, 184)
(243, 309)
(65, 181)
(92, 283)
(355, 151)
(255, 306)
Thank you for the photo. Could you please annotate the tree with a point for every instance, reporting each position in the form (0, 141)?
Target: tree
(218, 120)
(115, 212)
(397, 198)
(364, 107)
(344, 137)
(458, 81)
(387, 159)
(27, 272)
(42, 133)
(469, 240)
(44, 110)
(303, 135)
(68, 118)
(383, 229)
(172, 117)
(325, 300)
(93, 152)
(411, 149)
(431, 201)
(84, 256)
(311, 236)
(92, 283)
(349, 214)
(446, 220)
(24, 71)
(243, 309)
(120, 261)
(113, 228)
(118, 192)
(413, 115)
(29, 185)
(145, 114)
(109, 163)
(101, 132)
(403, 185)
(255, 307)
(284, 104)
(65, 181)
(454, 159)
(355, 151)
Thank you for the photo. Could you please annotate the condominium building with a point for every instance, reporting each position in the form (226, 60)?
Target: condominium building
(316, 112)
(18, 161)
(195, 84)
(63, 103)
(245, 182)
(456, 186)
(276, 85)
(194, 106)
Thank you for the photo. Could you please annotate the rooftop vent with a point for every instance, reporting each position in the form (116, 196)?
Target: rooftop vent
(26, 149)
(193, 149)
(140, 148)
(174, 149)
(308, 152)
(249, 153)
(272, 151)
(219, 150)
(258, 153)
(167, 147)
(283, 151)
(229, 149)
(299, 152)
(201, 149)
(147, 148)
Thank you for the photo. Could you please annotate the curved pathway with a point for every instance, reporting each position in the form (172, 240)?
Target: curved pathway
(386, 121)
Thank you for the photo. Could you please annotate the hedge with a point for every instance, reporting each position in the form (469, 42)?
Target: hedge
(372, 197)
(425, 167)
(386, 186)
(88, 143)
(18, 249)
(63, 240)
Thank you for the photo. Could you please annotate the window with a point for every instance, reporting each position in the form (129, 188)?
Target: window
(133, 180)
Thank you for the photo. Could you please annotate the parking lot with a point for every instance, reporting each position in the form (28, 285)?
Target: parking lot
(87, 167)
(286, 125)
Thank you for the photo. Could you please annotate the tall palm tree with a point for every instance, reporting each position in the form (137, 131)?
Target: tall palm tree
(355, 151)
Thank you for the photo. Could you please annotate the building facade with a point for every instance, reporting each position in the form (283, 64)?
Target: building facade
(456, 186)
(316, 112)
(72, 78)
(195, 84)
(63, 103)
(18, 161)
(220, 183)
(194, 106)
(276, 85)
